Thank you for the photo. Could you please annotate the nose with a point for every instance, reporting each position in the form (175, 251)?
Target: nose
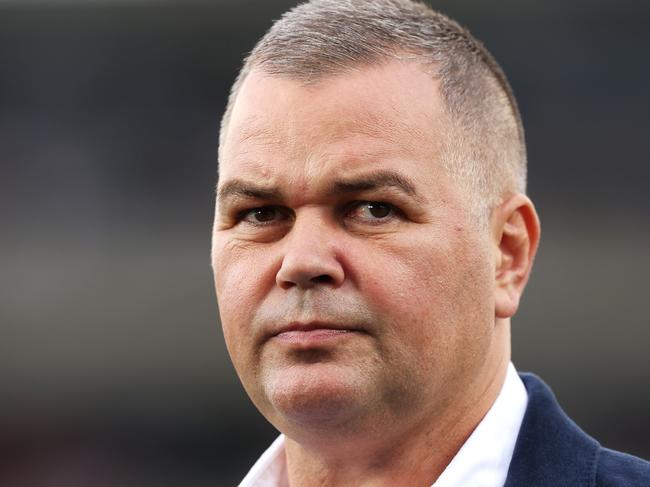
(310, 256)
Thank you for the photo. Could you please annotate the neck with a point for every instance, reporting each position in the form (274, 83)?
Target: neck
(385, 456)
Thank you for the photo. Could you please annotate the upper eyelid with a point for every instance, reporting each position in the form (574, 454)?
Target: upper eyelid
(248, 202)
(342, 210)
(241, 214)
(237, 205)
(396, 210)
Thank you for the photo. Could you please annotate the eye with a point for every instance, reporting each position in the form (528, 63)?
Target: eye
(264, 215)
(372, 211)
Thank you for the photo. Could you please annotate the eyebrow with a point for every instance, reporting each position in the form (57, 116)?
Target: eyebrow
(243, 189)
(375, 180)
(366, 182)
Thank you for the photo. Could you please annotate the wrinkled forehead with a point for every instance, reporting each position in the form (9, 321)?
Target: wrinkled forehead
(395, 105)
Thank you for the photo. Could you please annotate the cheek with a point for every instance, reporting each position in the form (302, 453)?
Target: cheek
(432, 296)
(407, 282)
(241, 277)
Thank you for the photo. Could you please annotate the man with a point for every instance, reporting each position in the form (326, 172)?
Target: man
(372, 239)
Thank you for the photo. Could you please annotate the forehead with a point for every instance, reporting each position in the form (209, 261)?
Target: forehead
(366, 112)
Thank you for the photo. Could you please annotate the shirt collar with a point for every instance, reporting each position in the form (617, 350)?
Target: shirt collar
(482, 461)
(270, 470)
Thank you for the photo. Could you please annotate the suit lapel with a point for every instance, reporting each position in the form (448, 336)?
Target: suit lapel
(551, 450)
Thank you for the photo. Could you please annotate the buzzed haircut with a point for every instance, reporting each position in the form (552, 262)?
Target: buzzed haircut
(484, 148)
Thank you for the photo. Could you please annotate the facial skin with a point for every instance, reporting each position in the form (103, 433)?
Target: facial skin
(361, 303)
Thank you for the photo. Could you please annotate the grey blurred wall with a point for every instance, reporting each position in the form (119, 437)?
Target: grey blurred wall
(112, 363)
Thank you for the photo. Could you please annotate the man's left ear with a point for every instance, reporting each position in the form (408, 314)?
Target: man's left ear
(516, 231)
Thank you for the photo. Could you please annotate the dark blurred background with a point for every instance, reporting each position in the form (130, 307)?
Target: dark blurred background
(113, 370)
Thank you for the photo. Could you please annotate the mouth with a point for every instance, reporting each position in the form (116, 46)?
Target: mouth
(313, 334)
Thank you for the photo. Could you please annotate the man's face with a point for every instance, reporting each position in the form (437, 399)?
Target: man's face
(353, 284)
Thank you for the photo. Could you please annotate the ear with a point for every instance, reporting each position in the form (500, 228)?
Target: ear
(516, 230)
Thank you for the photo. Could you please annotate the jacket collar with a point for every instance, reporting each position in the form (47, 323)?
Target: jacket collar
(551, 449)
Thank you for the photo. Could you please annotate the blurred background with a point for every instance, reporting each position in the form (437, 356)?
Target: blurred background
(113, 370)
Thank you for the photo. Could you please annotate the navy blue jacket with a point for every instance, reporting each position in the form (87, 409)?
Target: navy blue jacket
(551, 451)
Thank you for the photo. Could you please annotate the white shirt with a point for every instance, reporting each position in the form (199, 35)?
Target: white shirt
(482, 461)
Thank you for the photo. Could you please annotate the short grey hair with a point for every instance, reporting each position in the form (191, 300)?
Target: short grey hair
(485, 148)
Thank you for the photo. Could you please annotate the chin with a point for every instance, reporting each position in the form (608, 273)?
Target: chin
(316, 395)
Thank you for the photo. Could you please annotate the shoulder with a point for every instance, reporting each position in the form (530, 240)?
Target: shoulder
(616, 469)
(552, 450)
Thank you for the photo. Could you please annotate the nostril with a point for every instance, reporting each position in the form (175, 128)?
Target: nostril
(322, 279)
(305, 271)
(307, 282)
